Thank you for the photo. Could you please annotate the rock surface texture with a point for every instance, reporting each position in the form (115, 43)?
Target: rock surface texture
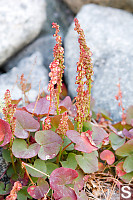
(20, 22)
(75, 5)
(109, 34)
(35, 73)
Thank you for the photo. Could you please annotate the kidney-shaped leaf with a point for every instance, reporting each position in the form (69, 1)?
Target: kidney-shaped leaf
(50, 144)
(5, 133)
(59, 179)
(88, 162)
(108, 156)
(82, 141)
(20, 149)
(39, 191)
(126, 149)
(25, 122)
(40, 108)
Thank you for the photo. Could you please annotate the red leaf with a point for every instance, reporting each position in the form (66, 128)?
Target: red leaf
(59, 179)
(119, 169)
(82, 141)
(39, 191)
(24, 123)
(108, 156)
(5, 132)
(40, 108)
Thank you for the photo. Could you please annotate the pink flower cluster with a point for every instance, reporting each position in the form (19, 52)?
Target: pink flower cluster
(63, 126)
(13, 194)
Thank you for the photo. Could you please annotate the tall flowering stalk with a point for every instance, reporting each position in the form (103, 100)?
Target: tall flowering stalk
(57, 70)
(9, 110)
(84, 70)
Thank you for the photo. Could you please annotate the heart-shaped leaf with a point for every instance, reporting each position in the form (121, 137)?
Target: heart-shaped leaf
(59, 179)
(20, 149)
(88, 162)
(39, 191)
(41, 108)
(116, 141)
(119, 169)
(128, 164)
(5, 133)
(40, 165)
(129, 115)
(126, 149)
(24, 123)
(70, 162)
(50, 144)
(108, 156)
(82, 141)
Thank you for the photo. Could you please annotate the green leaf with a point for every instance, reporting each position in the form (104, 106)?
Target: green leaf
(88, 162)
(7, 156)
(51, 167)
(21, 149)
(129, 115)
(128, 164)
(126, 149)
(116, 141)
(40, 165)
(127, 177)
(23, 194)
(70, 162)
(5, 190)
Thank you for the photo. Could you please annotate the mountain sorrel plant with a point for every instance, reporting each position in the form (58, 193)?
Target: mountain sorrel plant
(58, 159)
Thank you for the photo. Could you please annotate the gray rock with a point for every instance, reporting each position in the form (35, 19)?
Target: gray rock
(44, 45)
(109, 34)
(75, 5)
(58, 12)
(33, 70)
(20, 22)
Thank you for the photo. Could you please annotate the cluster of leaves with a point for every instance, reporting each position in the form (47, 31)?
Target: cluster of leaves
(47, 164)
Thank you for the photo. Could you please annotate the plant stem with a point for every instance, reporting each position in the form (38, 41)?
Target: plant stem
(66, 147)
(89, 96)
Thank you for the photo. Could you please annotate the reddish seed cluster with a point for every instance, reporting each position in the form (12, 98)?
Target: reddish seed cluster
(63, 126)
(84, 70)
(56, 73)
(119, 99)
(9, 111)
(13, 194)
